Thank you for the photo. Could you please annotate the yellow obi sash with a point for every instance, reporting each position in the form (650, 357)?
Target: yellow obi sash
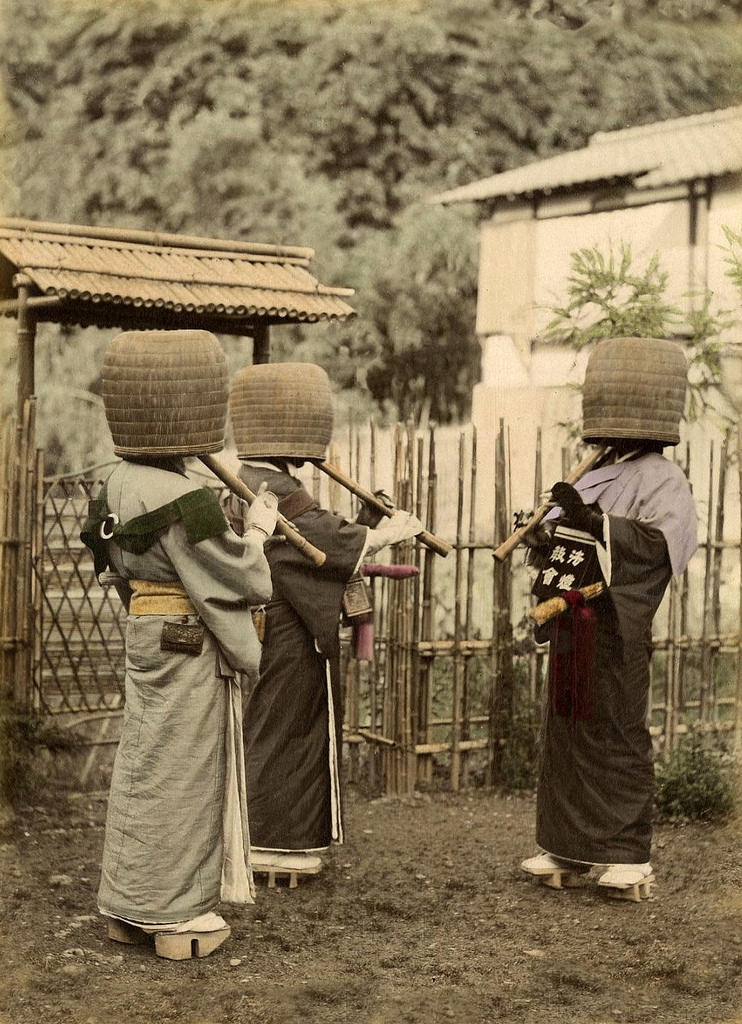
(149, 598)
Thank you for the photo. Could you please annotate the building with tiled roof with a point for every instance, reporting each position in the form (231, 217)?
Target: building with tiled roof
(667, 189)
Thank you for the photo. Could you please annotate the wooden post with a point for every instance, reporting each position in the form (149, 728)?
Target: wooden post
(738, 703)
(261, 344)
(26, 338)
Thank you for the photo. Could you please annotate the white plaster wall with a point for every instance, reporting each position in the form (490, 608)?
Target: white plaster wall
(660, 228)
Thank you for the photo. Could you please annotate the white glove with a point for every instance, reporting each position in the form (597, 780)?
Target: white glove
(398, 527)
(262, 515)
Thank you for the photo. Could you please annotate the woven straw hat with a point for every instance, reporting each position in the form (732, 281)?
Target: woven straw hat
(165, 392)
(634, 388)
(281, 409)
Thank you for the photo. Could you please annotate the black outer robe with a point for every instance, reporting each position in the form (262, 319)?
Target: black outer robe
(286, 721)
(595, 792)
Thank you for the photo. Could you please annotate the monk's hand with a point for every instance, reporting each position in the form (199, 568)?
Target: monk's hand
(263, 513)
(576, 513)
(536, 537)
(369, 515)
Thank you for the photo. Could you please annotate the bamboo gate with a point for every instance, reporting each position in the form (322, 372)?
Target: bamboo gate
(454, 690)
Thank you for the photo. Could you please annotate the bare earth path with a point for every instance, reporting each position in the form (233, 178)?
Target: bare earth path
(423, 916)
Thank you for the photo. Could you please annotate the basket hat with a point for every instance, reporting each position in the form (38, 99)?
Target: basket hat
(165, 392)
(281, 410)
(635, 389)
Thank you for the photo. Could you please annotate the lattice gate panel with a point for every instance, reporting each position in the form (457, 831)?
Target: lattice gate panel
(81, 623)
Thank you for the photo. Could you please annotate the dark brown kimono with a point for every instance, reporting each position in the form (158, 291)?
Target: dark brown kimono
(293, 716)
(595, 792)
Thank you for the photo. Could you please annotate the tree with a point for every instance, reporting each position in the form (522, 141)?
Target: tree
(417, 317)
(321, 123)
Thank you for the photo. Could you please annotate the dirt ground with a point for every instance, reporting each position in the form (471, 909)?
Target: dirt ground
(423, 916)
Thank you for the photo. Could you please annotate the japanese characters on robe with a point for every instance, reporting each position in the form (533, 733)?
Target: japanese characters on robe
(293, 716)
(595, 791)
(176, 836)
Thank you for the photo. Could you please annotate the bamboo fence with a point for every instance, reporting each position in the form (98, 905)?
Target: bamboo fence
(455, 671)
(19, 472)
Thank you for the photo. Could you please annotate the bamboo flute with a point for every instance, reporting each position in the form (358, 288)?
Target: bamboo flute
(283, 526)
(516, 538)
(437, 544)
(556, 605)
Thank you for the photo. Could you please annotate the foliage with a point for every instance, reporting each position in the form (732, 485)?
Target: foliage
(521, 751)
(733, 258)
(22, 736)
(416, 318)
(325, 123)
(608, 297)
(693, 782)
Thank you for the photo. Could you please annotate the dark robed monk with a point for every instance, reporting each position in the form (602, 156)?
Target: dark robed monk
(629, 523)
(282, 417)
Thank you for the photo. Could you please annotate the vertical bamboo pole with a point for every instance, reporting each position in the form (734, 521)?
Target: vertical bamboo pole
(705, 682)
(404, 592)
(391, 717)
(333, 488)
(38, 570)
(7, 631)
(373, 668)
(352, 671)
(457, 655)
(716, 575)
(536, 657)
(11, 543)
(469, 612)
(681, 653)
(738, 702)
(428, 623)
(316, 484)
(669, 710)
(418, 681)
(26, 457)
(502, 665)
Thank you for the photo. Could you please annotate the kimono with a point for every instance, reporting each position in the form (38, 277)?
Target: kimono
(176, 839)
(595, 794)
(294, 713)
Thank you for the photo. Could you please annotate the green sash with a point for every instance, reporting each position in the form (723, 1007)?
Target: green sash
(199, 511)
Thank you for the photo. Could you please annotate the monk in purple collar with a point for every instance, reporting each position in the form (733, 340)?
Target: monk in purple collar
(596, 787)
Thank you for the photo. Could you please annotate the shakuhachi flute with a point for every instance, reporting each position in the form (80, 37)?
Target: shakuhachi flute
(547, 610)
(283, 526)
(516, 538)
(437, 544)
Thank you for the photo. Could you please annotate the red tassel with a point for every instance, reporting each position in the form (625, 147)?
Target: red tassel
(572, 659)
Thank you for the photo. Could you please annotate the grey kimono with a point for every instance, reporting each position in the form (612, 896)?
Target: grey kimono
(176, 833)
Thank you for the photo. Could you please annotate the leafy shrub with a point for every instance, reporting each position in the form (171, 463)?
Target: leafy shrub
(22, 736)
(693, 782)
(521, 753)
